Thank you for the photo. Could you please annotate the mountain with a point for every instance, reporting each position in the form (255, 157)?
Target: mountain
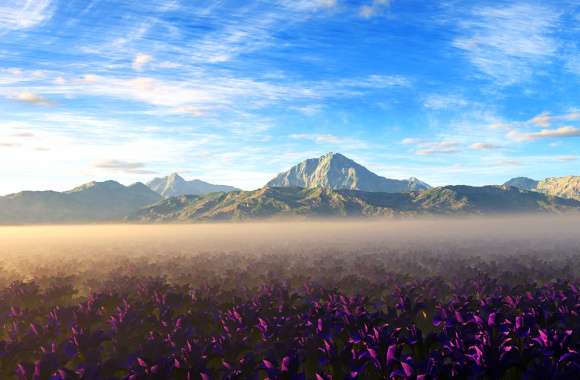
(271, 202)
(91, 202)
(523, 183)
(174, 185)
(335, 171)
(564, 187)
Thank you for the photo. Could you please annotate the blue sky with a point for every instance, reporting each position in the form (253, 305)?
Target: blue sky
(232, 92)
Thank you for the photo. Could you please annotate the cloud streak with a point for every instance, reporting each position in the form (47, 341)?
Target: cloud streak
(323, 138)
(32, 98)
(140, 60)
(507, 43)
(201, 94)
(24, 14)
(545, 120)
(375, 8)
(123, 166)
(428, 148)
(484, 146)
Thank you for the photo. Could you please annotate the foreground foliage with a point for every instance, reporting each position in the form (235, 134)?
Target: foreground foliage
(323, 315)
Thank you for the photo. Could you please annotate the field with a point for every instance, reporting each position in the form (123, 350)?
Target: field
(424, 299)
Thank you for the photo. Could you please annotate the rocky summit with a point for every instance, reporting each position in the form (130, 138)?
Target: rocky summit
(564, 187)
(335, 171)
(174, 185)
(321, 202)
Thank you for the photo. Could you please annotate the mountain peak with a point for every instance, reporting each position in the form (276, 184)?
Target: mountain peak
(336, 171)
(174, 185)
(523, 183)
(104, 185)
(331, 156)
(175, 176)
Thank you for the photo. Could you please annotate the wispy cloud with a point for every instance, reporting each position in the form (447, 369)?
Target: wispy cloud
(325, 138)
(310, 109)
(23, 134)
(412, 141)
(32, 98)
(8, 145)
(123, 166)
(201, 94)
(558, 132)
(509, 162)
(566, 158)
(566, 131)
(140, 60)
(553, 126)
(24, 14)
(484, 146)
(375, 8)
(444, 102)
(425, 148)
(545, 120)
(309, 5)
(508, 42)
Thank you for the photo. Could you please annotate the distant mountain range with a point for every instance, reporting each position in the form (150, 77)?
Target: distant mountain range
(335, 171)
(91, 202)
(174, 185)
(565, 187)
(329, 186)
(272, 202)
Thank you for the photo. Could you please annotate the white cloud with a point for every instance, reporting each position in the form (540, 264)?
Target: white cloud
(439, 147)
(202, 94)
(375, 8)
(440, 102)
(309, 5)
(123, 166)
(566, 158)
(412, 141)
(565, 131)
(373, 81)
(484, 146)
(508, 42)
(508, 162)
(32, 98)
(425, 148)
(8, 145)
(188, 110)
(545, 120)
(309, 110)
(24, 14)
(323, 138)
(140, 60)
(499, 126)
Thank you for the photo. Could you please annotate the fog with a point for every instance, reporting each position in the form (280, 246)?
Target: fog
(538, 231)
(42, 251)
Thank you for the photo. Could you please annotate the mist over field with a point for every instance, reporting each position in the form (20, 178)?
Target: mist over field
(292, 300)
(40, 251)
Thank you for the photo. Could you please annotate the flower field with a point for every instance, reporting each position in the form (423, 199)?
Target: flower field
(372, 313)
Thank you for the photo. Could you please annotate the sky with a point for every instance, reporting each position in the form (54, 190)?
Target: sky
(233, 92)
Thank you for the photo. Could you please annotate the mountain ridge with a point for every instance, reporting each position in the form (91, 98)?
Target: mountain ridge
(336, 171)
(90, 202)
(175, 185)
(272, 202)
(564, 187)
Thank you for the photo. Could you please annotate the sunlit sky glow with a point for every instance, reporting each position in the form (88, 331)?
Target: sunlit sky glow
(232, 92)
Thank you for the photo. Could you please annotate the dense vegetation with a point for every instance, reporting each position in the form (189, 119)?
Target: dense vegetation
(298, 315)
